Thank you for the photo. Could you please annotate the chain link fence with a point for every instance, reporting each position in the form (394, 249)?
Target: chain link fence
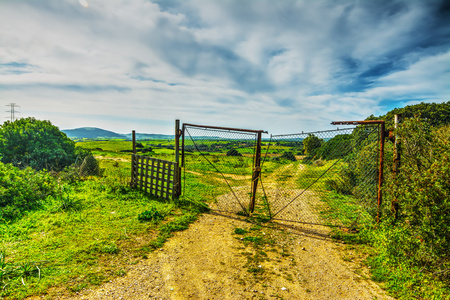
(218, 164)
(327, 177)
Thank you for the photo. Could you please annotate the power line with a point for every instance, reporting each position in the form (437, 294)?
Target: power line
(12, 111)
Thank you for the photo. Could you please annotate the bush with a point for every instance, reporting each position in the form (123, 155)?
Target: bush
(89, 167)
(422, 189)
(153, 214)
(233, 152)
(22, 190)
(288, 156)
(337, 147)
(311, 144)
(37, 144)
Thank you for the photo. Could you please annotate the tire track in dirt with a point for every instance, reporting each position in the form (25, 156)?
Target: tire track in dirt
(207, 262)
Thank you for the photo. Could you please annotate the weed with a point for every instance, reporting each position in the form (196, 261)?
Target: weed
(151, 215)
(240, 231)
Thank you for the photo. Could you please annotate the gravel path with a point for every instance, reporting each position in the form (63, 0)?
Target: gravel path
(207, 261)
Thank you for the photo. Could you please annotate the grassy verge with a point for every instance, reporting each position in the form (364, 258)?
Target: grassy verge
(398, 274)
(88, 233)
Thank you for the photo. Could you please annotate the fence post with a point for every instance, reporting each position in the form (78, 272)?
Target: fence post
(380, 171)
(395, 204)
(177, 175)
(256, 172)
(133, 160)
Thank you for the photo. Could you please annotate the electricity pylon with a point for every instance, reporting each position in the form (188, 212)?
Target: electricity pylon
(12, 111)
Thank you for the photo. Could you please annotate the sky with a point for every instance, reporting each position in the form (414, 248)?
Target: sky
(282, 66)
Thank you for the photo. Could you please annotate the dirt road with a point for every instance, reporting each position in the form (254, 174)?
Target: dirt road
(211, 261)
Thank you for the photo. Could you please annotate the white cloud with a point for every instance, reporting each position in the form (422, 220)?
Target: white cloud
(253, 64)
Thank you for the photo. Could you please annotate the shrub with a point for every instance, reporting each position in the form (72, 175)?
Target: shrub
(153, 214)
(311, 144)
(233, 152)
(22, 190)
(422, 188)
(37, 144)
(89, 167)
(337, 147)
(288, 156)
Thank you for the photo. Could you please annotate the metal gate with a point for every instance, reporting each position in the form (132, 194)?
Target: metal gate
(327, 177)
(222, 166)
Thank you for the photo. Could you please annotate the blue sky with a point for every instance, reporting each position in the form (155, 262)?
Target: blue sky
(282, 66)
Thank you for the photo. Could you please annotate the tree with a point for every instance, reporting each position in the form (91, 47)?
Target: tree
(311, 144)
(289, 156)
(37, 144)
(337, 147)
(435, 114)
(233, 152)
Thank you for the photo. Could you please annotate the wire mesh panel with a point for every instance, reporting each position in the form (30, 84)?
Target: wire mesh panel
(218, 164)
(327, 177)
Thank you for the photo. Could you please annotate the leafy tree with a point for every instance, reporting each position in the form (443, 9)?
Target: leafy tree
(233, 152)
(435, 114)
(37, 144)
(311, 144)
(336, 147)
(289, 156)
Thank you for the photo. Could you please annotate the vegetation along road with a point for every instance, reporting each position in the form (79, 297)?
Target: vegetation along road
(72, 228)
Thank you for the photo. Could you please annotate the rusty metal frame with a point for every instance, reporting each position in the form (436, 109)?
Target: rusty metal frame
(224, 128)
(381, 124)
(257, 160)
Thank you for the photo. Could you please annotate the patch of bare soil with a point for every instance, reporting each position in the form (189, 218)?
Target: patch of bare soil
(282, 260)
(210, 261)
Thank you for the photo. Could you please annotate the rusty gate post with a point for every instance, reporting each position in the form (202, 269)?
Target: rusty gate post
(380, 171)
(256, 172)
(177, 183)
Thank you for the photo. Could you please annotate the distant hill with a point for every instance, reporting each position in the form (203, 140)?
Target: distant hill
(92, 133)
(98, 133)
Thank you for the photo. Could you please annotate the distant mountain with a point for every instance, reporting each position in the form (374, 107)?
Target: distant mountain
(98, 133)
(92, 133)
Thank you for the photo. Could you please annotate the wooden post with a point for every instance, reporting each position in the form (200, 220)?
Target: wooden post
(133, 160)
(146, 174)
(134, 141)
(256, 172)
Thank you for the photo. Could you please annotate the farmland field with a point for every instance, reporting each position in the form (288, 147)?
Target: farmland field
(96, 231)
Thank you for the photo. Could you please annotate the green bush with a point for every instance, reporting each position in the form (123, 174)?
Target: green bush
(422, 189)
(311, 144)
(337, 147)
(233, 152)
(153, 214)
(37, 144)
(22, 190)
(288, 156)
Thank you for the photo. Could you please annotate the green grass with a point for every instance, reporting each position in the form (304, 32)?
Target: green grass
(87, 234)
(345, 210)
(395, 272)
(92, 230)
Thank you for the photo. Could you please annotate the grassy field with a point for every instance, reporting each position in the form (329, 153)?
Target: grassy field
(95, 227)
(89, 232)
